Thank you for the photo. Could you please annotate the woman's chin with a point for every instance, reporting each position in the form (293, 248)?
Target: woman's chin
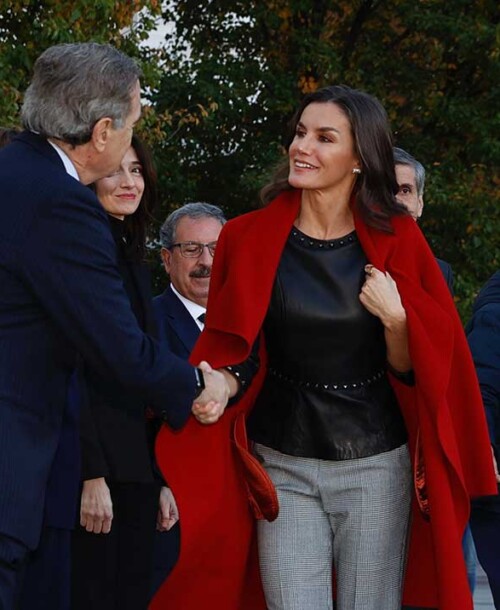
(296, 181)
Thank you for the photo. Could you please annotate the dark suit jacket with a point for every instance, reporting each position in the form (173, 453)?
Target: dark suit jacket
(116, 442)
(61, 294)
(174, 323)
(483, 334)
(61, 497)
(447, 272)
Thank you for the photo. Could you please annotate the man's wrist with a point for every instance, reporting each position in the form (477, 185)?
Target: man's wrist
(200, 382)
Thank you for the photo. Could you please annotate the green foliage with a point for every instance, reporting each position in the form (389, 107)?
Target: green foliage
(434, 65)
(229, 75)
(28, 27)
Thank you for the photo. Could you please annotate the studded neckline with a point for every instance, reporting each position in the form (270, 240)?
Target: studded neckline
(322, 244)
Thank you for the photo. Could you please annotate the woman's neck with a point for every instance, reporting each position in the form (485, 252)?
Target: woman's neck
(324, 216)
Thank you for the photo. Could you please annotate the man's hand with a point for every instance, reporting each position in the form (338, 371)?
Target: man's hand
(96, 507)
(168, 515)
(210, 404)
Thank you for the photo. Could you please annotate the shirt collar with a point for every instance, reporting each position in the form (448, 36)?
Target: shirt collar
(68, 164)
(194, 309)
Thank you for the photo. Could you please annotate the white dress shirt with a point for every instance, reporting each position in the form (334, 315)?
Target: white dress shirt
(68, 164)
(194, 309)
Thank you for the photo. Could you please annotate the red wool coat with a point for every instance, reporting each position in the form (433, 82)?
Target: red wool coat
(217, 566)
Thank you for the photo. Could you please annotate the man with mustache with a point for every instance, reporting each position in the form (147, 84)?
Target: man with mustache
(188, 238)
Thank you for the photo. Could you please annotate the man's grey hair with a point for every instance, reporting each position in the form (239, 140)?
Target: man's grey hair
(401, 157)
(194, 211)
(76, 85)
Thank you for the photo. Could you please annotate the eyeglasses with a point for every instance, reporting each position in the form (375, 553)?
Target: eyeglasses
(193, 249)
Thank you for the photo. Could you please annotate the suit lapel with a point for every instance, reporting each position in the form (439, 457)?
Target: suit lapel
(180, 320)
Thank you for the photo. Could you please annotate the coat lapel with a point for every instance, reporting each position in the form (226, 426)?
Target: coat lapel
(257, 243)
(180, 319)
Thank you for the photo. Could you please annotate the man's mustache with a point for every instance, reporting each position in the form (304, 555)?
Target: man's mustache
(201, 271)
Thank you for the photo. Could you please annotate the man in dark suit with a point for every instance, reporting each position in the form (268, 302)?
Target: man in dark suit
(188, 237)
(410, 175)
(61, 292)
(483, 334)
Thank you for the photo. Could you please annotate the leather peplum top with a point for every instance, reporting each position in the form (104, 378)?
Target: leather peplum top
(326, 394)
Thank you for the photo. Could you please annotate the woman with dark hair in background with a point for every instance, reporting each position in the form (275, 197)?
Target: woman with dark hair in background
(112, 550)
(365, 366)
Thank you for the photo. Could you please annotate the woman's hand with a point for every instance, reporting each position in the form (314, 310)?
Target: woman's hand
(96, 507)
(380, 296)
(495, 466)
(168, 514)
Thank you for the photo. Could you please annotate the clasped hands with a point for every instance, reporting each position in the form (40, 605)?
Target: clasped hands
(220, 385)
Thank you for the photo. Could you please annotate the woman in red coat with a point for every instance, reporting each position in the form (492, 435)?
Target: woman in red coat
(364, 365)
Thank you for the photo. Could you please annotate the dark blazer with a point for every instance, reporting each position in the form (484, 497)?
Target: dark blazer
(174, 323)
(483, 334)
(63, 486)
(61, 294)
(116, 442)
(447, 272)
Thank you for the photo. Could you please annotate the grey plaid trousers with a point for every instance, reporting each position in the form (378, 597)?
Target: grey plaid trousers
(353, 514)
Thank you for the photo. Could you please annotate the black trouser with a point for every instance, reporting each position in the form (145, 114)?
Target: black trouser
(113, 571)
(485, 527)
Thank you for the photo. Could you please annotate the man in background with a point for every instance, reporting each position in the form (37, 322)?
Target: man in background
(188, 238)
(410, 175)
(483, 334)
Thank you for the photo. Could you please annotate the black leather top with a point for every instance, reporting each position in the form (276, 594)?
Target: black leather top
(326, 394)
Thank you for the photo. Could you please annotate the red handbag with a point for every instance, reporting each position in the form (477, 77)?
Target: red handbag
(261, 491)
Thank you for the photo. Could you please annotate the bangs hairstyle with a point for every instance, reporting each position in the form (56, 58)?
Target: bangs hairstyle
(376, 187)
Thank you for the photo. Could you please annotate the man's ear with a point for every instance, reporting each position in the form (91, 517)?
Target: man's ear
(101, 132)
(166, 257)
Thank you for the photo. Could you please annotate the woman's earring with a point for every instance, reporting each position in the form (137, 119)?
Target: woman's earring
(356, 170)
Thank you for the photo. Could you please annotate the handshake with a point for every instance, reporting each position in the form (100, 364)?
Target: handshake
(220, 386)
